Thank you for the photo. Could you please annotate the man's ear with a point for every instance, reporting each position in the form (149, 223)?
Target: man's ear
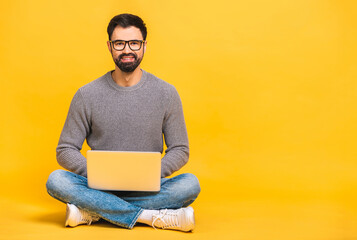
(109, 46)
(145, 46)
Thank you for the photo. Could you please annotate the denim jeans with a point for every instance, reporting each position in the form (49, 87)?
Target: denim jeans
(122, 208)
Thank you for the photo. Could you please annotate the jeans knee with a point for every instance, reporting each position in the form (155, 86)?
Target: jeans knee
(55, 181)
(195, 184)
(191, 185)
(58, 181)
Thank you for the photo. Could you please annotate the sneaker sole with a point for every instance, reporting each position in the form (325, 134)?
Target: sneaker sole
(66, 224)
(70, 209)
(190, 217)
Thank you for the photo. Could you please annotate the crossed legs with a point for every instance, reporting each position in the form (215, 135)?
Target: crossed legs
(122, 208)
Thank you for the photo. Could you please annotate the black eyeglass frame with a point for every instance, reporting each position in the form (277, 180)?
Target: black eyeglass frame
(127, 42)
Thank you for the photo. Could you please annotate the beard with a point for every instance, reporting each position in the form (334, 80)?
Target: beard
(128, 66)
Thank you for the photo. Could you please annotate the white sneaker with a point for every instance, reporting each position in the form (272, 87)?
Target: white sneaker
(76, 216)
(182, 219)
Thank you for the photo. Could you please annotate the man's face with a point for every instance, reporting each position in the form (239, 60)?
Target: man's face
(127, 60)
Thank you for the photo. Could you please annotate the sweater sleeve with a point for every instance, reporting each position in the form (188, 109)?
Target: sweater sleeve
(75, 130)
(175, 134)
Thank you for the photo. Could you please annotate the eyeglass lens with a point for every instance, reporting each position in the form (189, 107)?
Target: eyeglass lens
(133, 45)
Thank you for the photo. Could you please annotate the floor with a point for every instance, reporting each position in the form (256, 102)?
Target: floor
(246, 219)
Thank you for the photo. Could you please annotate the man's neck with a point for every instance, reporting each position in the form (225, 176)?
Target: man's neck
(127, 79)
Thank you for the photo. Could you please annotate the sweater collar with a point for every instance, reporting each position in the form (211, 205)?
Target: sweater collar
(112, 83)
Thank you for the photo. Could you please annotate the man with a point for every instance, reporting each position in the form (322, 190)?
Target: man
(127, 109)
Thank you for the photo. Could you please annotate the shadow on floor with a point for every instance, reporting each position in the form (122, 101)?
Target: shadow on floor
(55, 218)
(58, 219)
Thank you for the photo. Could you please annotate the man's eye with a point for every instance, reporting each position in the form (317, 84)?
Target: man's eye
(119, 43)
(134, 43)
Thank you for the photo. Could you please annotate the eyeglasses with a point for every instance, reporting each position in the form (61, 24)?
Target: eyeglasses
(134, 45)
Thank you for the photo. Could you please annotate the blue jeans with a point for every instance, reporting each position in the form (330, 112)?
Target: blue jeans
(122, 208)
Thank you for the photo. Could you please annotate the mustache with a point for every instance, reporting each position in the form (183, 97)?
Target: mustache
(127, 55)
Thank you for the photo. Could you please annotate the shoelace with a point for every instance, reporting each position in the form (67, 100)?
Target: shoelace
(172, 219)
(87, 218)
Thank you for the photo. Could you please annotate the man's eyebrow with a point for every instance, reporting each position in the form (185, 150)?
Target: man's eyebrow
(129, 40)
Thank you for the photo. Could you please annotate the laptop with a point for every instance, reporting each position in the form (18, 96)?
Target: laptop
(124, 171)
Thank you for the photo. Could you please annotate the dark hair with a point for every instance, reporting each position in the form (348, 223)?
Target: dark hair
(126, 20)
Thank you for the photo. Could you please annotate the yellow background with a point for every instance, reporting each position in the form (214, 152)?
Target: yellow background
(269, 95)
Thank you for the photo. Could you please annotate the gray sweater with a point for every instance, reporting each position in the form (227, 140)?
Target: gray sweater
(118, 118)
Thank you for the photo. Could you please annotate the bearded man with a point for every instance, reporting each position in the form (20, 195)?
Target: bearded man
(126, 109)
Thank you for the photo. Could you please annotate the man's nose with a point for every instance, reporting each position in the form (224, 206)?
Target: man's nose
(126, 48)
